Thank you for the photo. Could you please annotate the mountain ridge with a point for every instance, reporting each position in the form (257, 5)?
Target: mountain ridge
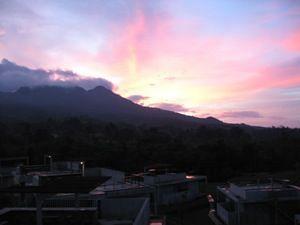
(98, 103)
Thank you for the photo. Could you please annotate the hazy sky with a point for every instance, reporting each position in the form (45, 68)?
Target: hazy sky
(238, 60)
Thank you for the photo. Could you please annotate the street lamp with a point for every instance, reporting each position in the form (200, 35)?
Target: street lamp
(51, 163)
(82, 168)
(50, 160)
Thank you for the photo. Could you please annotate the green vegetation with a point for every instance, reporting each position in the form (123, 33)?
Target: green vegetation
(220, 153)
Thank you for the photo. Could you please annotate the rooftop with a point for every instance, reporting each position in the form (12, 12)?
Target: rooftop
(117, 187)
(151, 178)
(53, 173)
(69, 184)
(260, 191)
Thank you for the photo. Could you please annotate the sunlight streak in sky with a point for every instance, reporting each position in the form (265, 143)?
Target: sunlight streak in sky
(236, 60)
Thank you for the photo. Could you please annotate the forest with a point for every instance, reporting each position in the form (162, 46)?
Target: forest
(218, 152)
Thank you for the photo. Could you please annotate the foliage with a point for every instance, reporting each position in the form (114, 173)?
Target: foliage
(219, 152)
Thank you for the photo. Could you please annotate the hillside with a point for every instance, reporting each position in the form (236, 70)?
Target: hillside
(98, 103)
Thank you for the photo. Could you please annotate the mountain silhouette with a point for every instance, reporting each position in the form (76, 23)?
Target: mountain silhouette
(98, 103)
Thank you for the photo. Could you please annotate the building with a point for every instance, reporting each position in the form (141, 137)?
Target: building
(163, 187)
(72, 189)
(37, 173)
(67, 200)
(8, 169)
(257, 202)
(297, 219)
(116, 176)
(122, 189)
(171, 187)
(129, 211)
(68, 192)
(120, 211)
(85, 169)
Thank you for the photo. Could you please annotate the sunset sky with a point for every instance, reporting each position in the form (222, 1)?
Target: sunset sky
(237, 60)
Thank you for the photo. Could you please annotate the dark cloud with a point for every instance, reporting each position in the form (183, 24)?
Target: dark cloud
(64, 73)
(241, 114)
(13, 76)
(170, 107)
(137, 98)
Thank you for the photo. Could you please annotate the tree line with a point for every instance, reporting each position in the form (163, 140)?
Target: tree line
(218, 152)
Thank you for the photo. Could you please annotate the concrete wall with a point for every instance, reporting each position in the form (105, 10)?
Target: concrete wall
(6, 181)
(7, 176)
(92, 172)
(256, 214)
(131, 192)
(237, 191)
(193, 190)
(168, 177)
(257, 193)
(179, 192)
(67, 165)
(228, 217)
(116, 176)
(124, 208)
(143, 216)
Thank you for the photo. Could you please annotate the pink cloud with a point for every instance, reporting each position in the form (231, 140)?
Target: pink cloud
(292, 41)
(234, 66)
(171, 107)
(2, 32)
(130, 43)
(283, 75)
(241, 114)
(150, 39)
(137, 98)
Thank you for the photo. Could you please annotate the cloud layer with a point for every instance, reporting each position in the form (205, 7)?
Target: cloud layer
(170, 107)
(13, 76)
(241, 114)
(137, 98)
(198, 57)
